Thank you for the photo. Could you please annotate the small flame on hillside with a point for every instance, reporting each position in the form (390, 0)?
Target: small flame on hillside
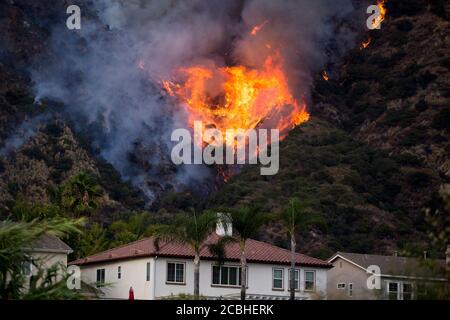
(366, 43)
(325, 75)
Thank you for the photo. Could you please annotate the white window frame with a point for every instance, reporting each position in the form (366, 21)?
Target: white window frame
(403, 292)
(27, 268)
(100, 282)
(398, 289)
(282, 279)
(342, 284)
(314, 281)
(147, 271)
(297, 271)
(175, 275)
(238, 267)
(350, 290)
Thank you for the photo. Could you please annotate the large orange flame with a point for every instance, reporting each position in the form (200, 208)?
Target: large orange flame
(238, 97)
(376, 22)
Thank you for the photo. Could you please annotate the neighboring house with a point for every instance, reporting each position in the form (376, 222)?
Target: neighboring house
(156, 273)
(400, 278)
(45, 252)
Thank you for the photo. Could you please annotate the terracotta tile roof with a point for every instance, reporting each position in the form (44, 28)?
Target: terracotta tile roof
(256, 251)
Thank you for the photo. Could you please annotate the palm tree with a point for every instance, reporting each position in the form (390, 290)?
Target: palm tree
(293, 216)
(192, 229)
(80, 194)
(246, 222)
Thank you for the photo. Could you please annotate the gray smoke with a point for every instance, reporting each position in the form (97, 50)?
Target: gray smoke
(107, 73)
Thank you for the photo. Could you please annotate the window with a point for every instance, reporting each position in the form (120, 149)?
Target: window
(310, 280)
(296, 279)
(119, 272)
(147, 272)
(27, 268)
(175, 272)
(392, 290)
(341, 286)
(407, 291)
(277, 282)
(100, 277)
(226, 275)
(350, 289)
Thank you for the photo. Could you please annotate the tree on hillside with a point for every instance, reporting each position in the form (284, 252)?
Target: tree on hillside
(80, 195)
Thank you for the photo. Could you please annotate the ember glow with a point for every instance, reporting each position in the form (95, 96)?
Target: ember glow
(258, 27)
(325, 75)
(366, 43)
(238, 97)
(377, 21)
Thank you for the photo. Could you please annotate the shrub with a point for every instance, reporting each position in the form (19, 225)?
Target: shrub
(419, 179)
(414, 137)
(403, 118)
(404, 25)
(408, 159)
(426, 78)
(441, 121)
(34, 153)
(421, 105)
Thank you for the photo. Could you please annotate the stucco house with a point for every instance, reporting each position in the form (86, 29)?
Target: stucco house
(168, 271)
(357, 276)
(45, 252)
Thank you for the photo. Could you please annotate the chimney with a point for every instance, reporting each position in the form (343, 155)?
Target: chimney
(447, 258)
(224, 227)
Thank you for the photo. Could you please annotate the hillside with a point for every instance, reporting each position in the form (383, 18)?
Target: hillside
(370, 160)
(377, 148)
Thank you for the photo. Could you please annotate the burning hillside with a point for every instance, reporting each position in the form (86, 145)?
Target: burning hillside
(238, 97)
(229, 64)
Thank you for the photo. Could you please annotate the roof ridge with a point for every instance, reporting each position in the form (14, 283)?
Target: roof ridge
(287, 250)
(115, 248)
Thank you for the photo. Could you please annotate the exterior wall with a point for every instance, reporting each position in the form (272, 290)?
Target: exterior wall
(134, 274)
(46, 260)
(345, 272)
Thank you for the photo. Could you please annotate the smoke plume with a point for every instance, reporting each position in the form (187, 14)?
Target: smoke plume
(108, 73)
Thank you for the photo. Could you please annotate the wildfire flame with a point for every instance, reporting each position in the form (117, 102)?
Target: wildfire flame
(238, 97)
(366, 43)
(258, 27)
(379, 19)
(325, 75)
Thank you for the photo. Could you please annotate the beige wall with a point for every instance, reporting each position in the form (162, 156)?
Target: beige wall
(345, 272)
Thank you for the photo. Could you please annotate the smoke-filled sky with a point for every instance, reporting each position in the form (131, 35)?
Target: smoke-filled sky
(107, 73)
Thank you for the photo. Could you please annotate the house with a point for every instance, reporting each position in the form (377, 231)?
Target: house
(45, 252)
(368, 276)
(168, 271)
